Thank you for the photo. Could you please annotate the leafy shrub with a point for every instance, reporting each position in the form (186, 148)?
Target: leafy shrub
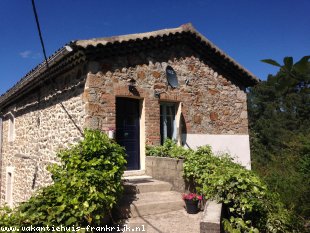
(86, 186)
(8, 217)
(168, 149)
(251, 206)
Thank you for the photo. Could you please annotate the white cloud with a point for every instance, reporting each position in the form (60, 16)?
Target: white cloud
(30, 54)
(25, 54)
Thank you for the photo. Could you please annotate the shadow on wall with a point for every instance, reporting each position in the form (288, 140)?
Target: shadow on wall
(183, 132)
(68, 85)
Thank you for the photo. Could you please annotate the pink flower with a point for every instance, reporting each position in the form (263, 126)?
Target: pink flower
(191, 196)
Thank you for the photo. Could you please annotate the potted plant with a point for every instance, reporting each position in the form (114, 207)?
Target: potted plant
(191, 202)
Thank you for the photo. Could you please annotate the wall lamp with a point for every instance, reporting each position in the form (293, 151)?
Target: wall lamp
(157, 94)
(131, 85)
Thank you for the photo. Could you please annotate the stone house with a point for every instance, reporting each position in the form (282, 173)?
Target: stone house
(139, 88)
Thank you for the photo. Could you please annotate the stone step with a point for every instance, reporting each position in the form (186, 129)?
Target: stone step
(134, 173)
(145, 185)
(173, 222)
(143, 204)
(136, 177)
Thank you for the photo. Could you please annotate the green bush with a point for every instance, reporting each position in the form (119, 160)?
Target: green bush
(250, 205)
(86, 186)
(168, 149)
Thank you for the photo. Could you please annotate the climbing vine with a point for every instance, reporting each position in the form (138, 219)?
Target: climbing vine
(250, 206)
(86, 186)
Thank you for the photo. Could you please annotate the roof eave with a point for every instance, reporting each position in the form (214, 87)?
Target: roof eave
(251, 79)
(28, 80)
(250, 75)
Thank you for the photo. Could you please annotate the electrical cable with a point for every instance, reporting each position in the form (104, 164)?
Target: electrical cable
(39, 30)
(47, 65)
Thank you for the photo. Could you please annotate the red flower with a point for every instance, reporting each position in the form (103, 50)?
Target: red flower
(191, 196)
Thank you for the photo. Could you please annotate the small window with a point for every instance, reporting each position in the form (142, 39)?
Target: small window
(1, 129)
(9, 186)
(11, 130)
(167, 121)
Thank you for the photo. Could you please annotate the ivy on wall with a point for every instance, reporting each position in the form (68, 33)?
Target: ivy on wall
(250, 205)
(87, 185)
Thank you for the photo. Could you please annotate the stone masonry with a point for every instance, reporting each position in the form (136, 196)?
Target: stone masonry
(41, 129)
(83, 95)
(211, 102)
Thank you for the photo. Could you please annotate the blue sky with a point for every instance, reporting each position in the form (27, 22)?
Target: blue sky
(247, 30)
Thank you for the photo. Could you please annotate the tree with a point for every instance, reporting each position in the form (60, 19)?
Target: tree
(279, 120)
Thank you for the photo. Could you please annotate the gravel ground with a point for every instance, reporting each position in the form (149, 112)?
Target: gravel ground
(171, 222)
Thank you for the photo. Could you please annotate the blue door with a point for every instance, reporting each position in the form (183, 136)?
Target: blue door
(128, 130)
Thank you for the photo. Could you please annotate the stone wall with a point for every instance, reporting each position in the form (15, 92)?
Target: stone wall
(166, 169)
(42, 127)
(211, 218)
(211, 102)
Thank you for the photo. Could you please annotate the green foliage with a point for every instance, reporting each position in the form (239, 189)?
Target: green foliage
(288, 68)
(279, 110)
(197, 164)
(168, 149)
(251, 206)
(8, 217)
(86, 186)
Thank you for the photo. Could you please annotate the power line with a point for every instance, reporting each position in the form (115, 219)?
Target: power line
(47, 65)
(39, 30)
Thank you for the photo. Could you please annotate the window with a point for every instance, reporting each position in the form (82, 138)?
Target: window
(0, 136)
(11, 129)
(167, 121)
(9, 186)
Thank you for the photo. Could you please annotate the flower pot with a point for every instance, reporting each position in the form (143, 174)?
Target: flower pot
(191, 206)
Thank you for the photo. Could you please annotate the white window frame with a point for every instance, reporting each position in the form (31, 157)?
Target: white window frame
(9, 186)
(1, 130)
(163, 114)
(11, 129)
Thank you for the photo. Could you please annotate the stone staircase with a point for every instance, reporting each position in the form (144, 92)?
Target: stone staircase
(146, 196)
